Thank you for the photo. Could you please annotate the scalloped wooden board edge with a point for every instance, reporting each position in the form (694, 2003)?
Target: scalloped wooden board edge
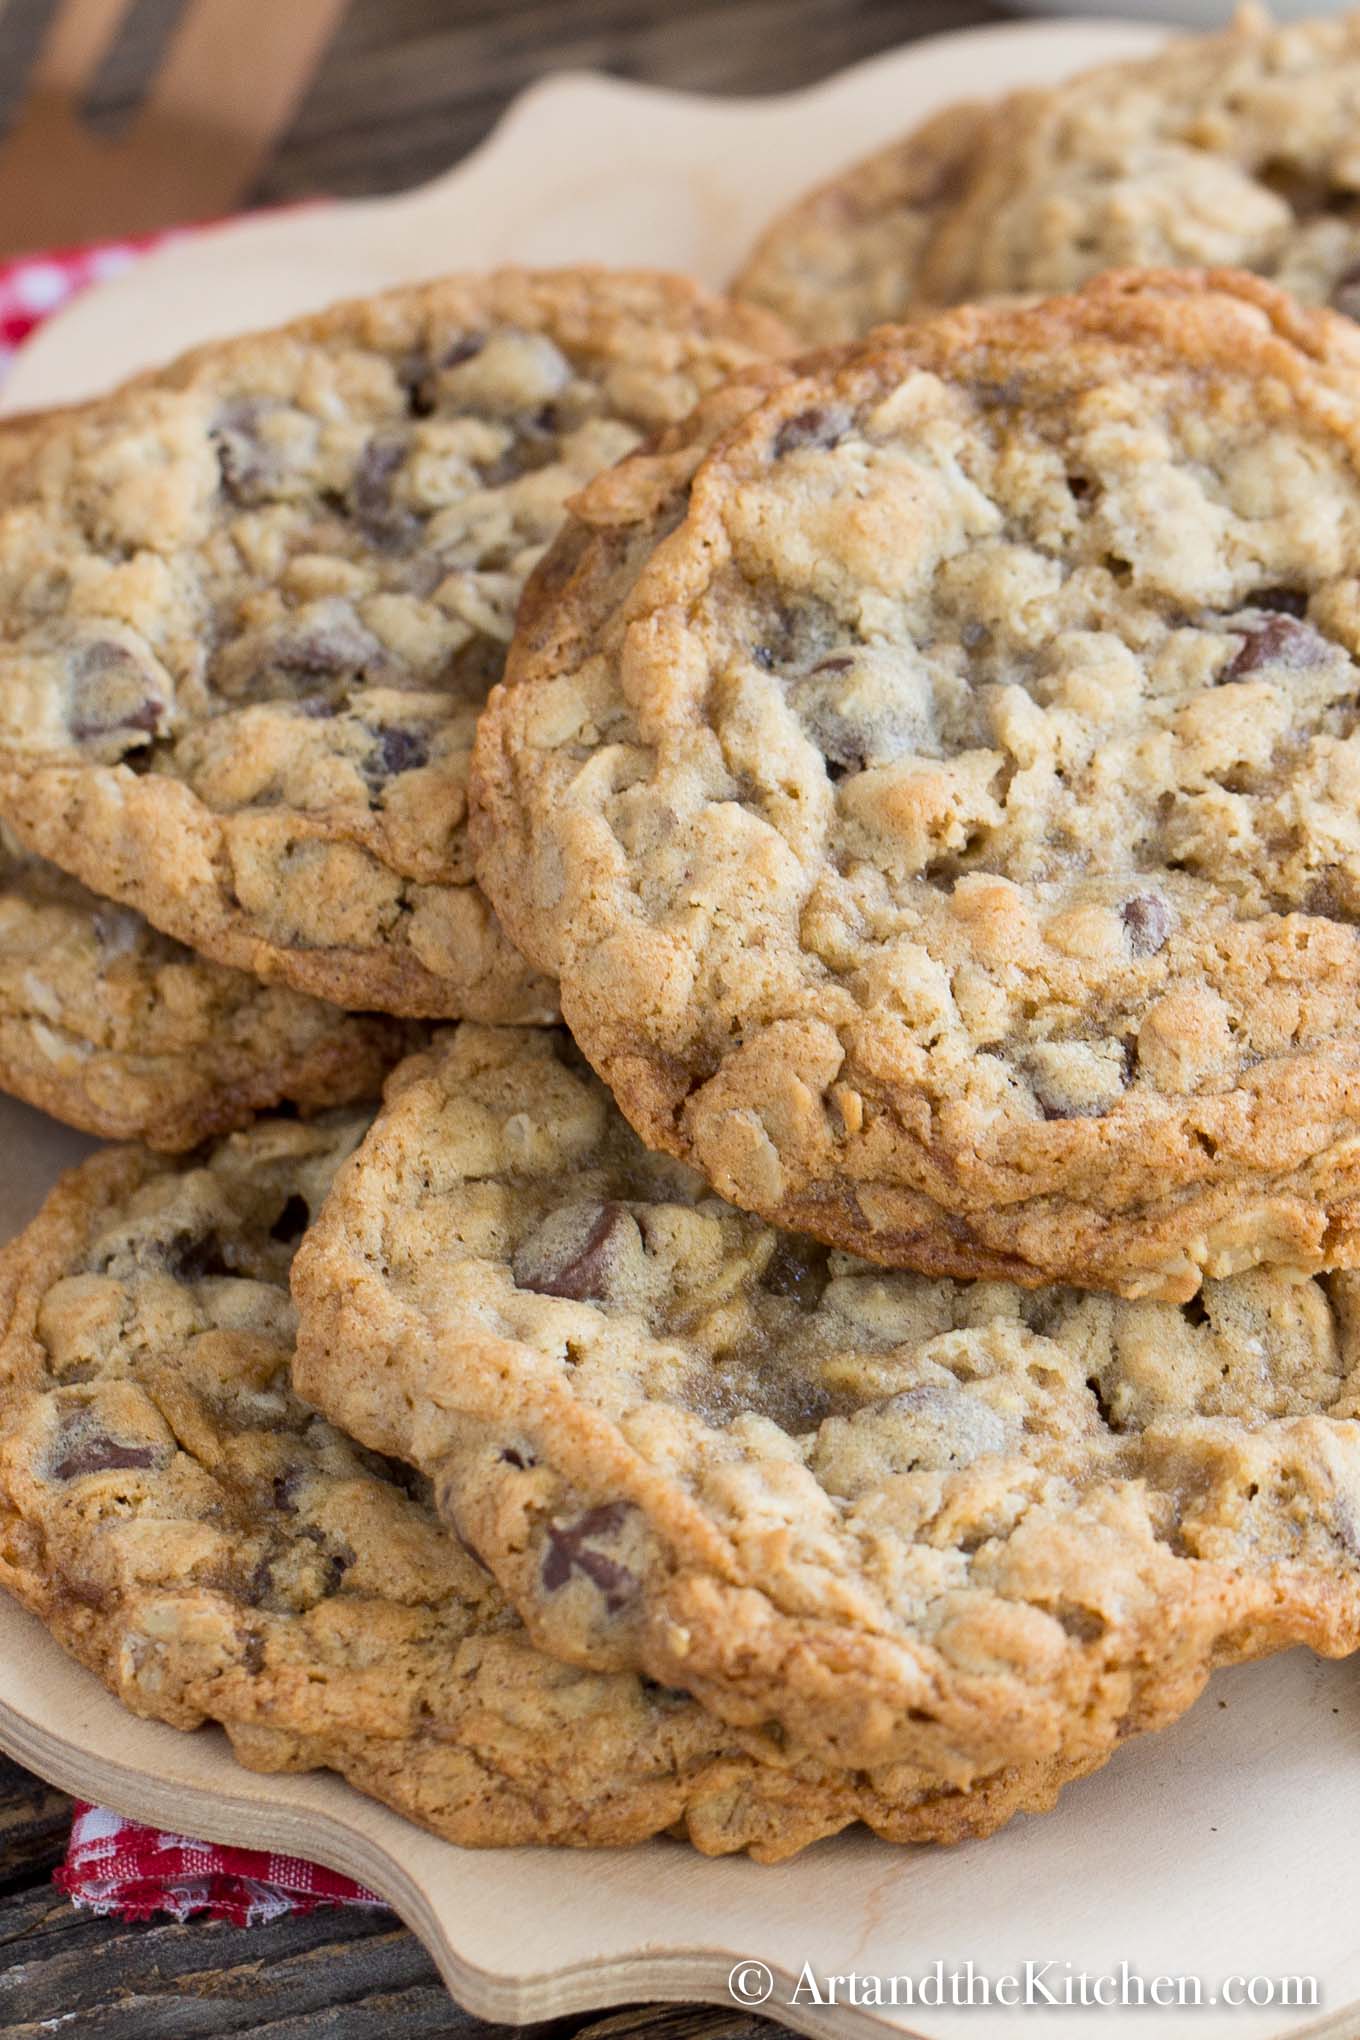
(1237, 1822)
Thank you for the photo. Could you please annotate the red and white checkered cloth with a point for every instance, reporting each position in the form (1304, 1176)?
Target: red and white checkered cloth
(118, 1866)
(35, 286)
(115, 1865)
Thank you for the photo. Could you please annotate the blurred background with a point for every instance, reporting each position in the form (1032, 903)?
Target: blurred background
(391, 92)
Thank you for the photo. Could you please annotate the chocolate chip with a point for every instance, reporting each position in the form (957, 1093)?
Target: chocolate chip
(337, 1558)
(663, 1696)
(259, 1586)
(338, 1564)
(819, 426)
(419, 373)
(397, 750)
(81, 1451)
(463, 349)
(797, 1267)
(325, 649)
(248, 467)
(1345, 295)
(285, 1490)
(1147, 920)
(863, 708)
(1280, 640)
(384, 523)
(1083, 1625)
(292, 1221)
(575, 1251)
(114, 693)
(193, 1257)
(1285, 601)
(573, 1548)
(511, 1457)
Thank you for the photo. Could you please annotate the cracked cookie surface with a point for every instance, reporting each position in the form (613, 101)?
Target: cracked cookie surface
(215, 1551)
(935, 789)
(957, 1525)
(1231, 149)
(124, 1033)
(253, 604)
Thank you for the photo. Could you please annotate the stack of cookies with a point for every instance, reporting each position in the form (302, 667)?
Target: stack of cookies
(893, 1335)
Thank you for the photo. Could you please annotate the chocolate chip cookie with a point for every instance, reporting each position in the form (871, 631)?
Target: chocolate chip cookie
(253, 604)
(936, 790)
(954, 1525)
(215, 1551)
(1236, 148)
(117, 1029)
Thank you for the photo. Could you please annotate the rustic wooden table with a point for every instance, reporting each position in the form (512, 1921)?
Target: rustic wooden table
(407, 88)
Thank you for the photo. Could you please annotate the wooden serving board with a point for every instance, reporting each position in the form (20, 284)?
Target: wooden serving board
(1221, 1848)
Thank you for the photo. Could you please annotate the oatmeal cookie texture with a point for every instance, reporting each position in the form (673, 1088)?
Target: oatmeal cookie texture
(1236, 148)
(253, 604)
(121, 1031)
(936, 789)
(956, 1525)
(214, 1551)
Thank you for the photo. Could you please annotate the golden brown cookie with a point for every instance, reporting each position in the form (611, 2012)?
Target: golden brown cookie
(125, 1033)
(252, 605)
(214, 1551)
(960, 1526)
(933, 781)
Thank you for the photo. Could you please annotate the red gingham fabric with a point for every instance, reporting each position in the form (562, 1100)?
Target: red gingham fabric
(34, 286)
(114, 1865)
(118, 1866)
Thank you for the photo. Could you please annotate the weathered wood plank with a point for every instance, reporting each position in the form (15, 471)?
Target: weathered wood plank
(354, 1974)
(34, 1821)
(410, 85)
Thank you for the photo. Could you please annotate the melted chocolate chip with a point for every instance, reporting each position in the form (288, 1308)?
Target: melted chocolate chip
(1147, 921)
(80, 1451)
(797, 1267)
(247, 466)
(573, 1253)
(819, 426)
(1280, 640)
(112, 692)
(285, 1490)
(573, 1548)
(384, 523)
(397, 750)
(326, 650)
